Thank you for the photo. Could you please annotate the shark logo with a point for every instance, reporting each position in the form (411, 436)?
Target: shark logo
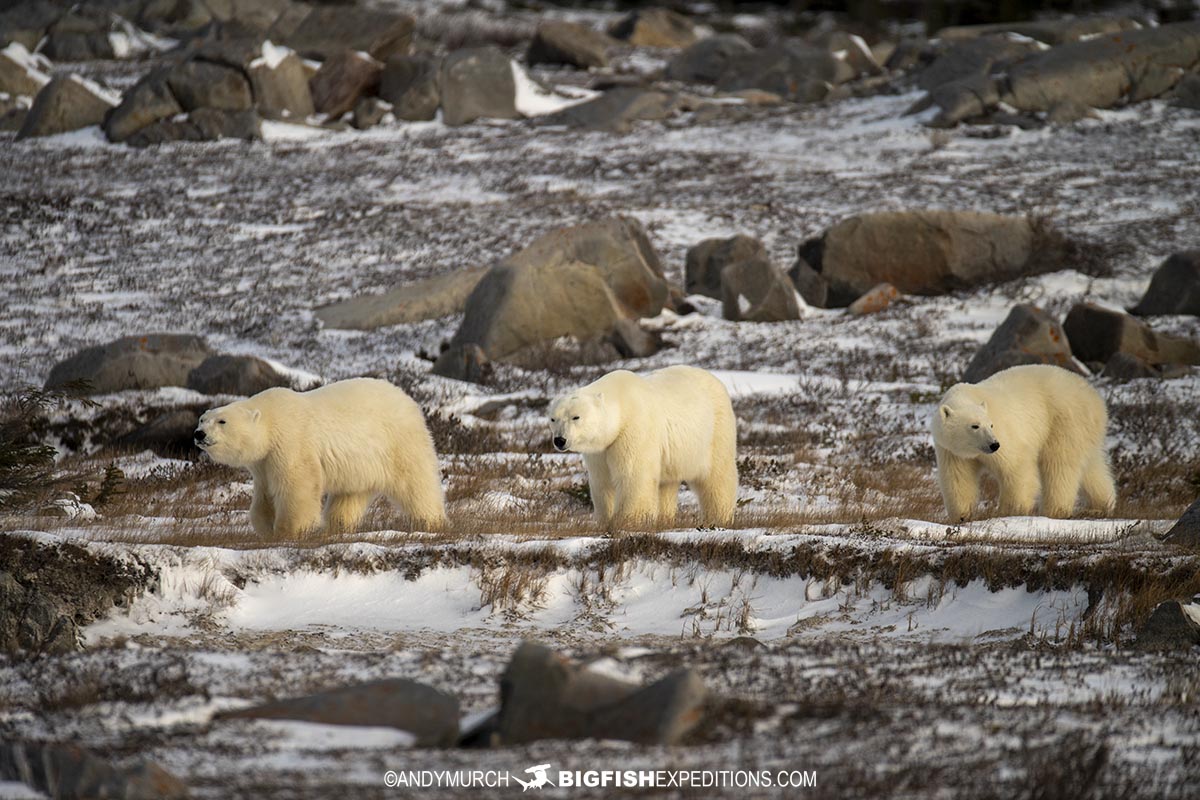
(539, 779)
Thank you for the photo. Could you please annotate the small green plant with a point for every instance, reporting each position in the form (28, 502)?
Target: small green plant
(26, 463)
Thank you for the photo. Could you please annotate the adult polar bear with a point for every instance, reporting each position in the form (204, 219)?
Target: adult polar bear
(1034, 428)
(642, 436)
(348, 441)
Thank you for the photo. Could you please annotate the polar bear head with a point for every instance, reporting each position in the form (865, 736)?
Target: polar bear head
(582, 422)
(962, 425)
(235, 435)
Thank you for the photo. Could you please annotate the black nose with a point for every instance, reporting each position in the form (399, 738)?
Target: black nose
(560, 443)
(994, 446)
(198, 436)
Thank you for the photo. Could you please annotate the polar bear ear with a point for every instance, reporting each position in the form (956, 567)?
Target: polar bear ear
(598, 398)
(255, 415)
(945, 412)
(983, 404)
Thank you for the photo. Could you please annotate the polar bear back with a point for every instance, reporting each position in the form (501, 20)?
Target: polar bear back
(693, 406)
(1029, 403)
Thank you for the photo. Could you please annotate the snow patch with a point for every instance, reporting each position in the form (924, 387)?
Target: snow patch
(534, 100)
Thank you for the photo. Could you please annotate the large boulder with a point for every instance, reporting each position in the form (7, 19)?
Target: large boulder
(578, 282)
(920, 252)
(756, 290)
(545, 696)
(26, 23)
(429, 715)
(241, 375)
(570, 43)
(133, 362)
(410, 84)
(654, 27)
(977, 57)
(476, 83)
(1186, 531)
(328, 30)
(280, 84)
(791, 69)
(66, 103)
(1174, 287)
(68, 772)
(705, 261)
(22, 72)
(1105, 71)
(1172, 626)
(81, 34)
(204, 84)
(342, 79)
(706, 60)
(430, 298)
(1097, 333)
(617, 110)
(149, 101)
(1028, 335)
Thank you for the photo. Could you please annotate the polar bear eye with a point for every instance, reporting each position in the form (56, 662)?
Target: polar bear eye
(575, 418)
(552, 419)
(222, 422)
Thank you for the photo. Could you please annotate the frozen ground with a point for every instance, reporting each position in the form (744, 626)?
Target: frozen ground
(899, 655)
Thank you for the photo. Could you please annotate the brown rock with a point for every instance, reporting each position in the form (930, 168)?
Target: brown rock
(654, 27)
(342, 80)
(281, 91)
(704, 262)
(66, 103)
(1027, 336)
(328, 30)
(477, 83)
(204, 84)
(430, 298)
(560, 42)
(1174, 288)
(875, 300)
(769, 295)
(1098, 333)
(410, 84)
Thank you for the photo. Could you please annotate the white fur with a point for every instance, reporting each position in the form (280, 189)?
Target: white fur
(1050, 425)
(349, 442)
(642, 436)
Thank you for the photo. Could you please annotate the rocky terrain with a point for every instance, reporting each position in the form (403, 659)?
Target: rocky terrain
(488, 205)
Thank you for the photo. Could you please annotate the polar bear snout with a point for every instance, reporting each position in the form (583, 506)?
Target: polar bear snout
(993, 447)
(560, 444)
(199, 436)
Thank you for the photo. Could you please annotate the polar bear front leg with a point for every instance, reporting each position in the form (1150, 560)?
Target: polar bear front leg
(297, 498)
(600, 487)
(958, 478)
(1019, 487)
(636, 502)
(262, 509)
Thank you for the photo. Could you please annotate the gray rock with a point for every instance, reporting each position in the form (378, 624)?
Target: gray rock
(769, 295)
(281, 92)
(704, 262)
(429, 715)
(204, 84)
(654, 27)
(236, 53)
(133, 362)
(166, 130)
(1170, 627)
(168, 434)
(21, 72)
(908, 54)
(149, 101)
(243, 375)
(1187, 91)
(252, 15)
(963, 99)
(1103, 72)
(1186, 531)
(463, 362)
(27, 23)
(706, 60)
(616, 110)
(971, 59)
(12, 114)
(1098, 333)
(1174, 287)
(920, 252)
(68, 772)
(1048, 31)
(1028, 335)
(216, 124)
(544, 696)
(570, 43)
(477, 83)
(369, 112)
(430, 298)
(81, 34)
(809, 283)
(66, 103)
(793, 70)
(328, 30)
(176, 18)
(410, 84)
(342, 80)
(1124, 367)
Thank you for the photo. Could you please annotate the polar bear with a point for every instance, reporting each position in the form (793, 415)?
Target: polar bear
(1035, 429)
(642, 436)
(347, 442)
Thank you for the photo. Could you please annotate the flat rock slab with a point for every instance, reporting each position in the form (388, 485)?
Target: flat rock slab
(133, 362)
(430, 298)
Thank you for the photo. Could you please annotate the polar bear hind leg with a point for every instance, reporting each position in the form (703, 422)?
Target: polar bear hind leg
(1098, 487)
(344, 511)
(421, 499)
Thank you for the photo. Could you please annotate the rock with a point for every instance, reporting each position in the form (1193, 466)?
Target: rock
(852, 50)
(544, 696)
(769, 295)
(1186, 532)
(68, 772)
(241, 375)
(1174, 287)
(654, 27)
(1187, 91)
(166, 130)
(26, 23)
(631, 340)
(177, 18)
(133, 362)
(704, 262)
(1124, 367)
(328, 30)
(369, 112)
(431, 298)
(1097, 333)
(971, 59)
(168, 434)
(464, 362)
(1172, 626)
(256, 16)
(908, 53)
(920, 252)
(560, 42)
(203, 84)
(793, 70)
(809, 283)
(576, 282)
(429, 715)
(477, 83)
(616, 110)
(216, 124)
(410, 84)
(12, 114)
(963, 99)
(238, 52)
(1028, 335)
(342, 80)
(280, 85)
(81, 34)
(66, 103)
(149, 101)
(875, 300)
(1048, 31)
(1103, 72)
(706, 60)
(22, 72)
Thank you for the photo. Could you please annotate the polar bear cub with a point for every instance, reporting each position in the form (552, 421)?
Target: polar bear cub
(642, 436)
(1036, 429)
(347, 442)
